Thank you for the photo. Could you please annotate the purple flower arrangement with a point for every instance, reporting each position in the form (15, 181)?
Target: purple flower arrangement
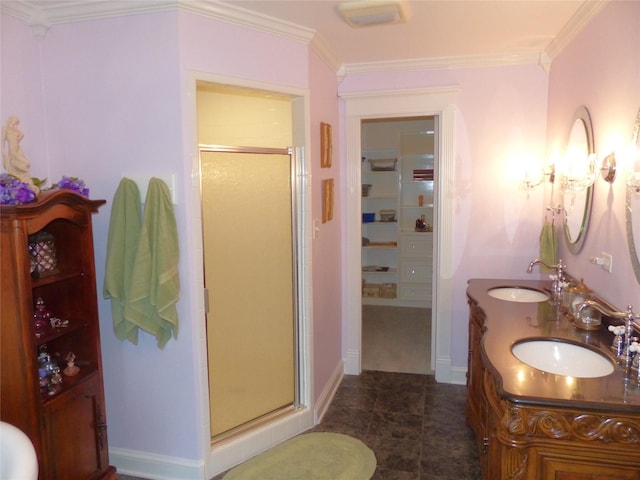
(15, 192)
(73, 183)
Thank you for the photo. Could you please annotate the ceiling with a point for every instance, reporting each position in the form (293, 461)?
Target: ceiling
(438, 32)
(435, 29)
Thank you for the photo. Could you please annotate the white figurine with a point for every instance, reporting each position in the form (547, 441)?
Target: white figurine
(13, 158)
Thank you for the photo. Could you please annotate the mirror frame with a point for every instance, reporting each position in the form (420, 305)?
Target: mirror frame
(633, 252)
(582, 115)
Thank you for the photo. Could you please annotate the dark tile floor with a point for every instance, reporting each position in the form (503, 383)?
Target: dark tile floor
(415, 426)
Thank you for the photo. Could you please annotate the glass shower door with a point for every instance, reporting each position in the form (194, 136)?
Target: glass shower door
(249, 277)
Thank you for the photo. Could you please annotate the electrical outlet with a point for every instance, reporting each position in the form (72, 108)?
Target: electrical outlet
(607, 262)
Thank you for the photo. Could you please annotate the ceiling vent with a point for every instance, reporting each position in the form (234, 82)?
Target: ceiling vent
(362, 13)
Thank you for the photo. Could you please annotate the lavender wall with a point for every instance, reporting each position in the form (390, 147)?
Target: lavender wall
(600, 69)
(105, 98)
(327, 286)
(500, 113)
(21, 89)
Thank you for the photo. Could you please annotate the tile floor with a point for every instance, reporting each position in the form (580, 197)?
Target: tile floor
(415, 426)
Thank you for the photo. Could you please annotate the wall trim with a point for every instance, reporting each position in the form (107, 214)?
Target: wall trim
(390, 104)
(328, 392)
(576, 24)
(155, 467)
(459, 376)
(461, 61)
(42, 16)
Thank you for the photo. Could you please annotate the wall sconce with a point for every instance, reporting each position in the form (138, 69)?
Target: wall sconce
(532, 178)
(577, 172)
(608, 168)
(535, 176)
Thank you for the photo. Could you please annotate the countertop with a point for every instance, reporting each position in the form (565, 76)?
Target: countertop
(507, 322)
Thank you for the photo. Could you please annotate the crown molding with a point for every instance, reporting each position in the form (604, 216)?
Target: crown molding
(574, 26)
(471, 61)
(42, 15)
(68, 11)
(240, 16)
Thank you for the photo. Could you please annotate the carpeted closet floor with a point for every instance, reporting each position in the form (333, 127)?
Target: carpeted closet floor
(396, 339)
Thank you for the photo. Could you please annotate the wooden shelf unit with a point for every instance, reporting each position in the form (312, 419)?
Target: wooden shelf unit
(67, 425)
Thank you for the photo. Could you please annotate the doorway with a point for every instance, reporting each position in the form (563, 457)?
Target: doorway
(399, 171)
(393, 104)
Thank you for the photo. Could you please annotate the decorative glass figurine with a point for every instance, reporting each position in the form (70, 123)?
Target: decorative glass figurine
(41, 317)
(71, 369)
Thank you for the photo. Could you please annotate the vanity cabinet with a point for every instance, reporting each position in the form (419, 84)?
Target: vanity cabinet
(536, 426)
(476, 411)
(47, 253)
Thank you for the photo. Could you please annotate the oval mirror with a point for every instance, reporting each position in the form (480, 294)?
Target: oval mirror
(576, 201)
(633, 200)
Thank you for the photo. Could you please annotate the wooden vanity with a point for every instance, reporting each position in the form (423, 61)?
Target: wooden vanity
(534, 425)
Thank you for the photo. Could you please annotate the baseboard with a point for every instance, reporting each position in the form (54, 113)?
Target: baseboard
(155, 467)
(352, 363)
(446, 373)
(459, 375)
(324, 400)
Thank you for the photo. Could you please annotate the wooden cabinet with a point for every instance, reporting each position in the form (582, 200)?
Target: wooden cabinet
(476, 411)
(535, 440)
(66, 420)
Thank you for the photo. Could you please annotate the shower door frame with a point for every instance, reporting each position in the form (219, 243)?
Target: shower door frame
(295, 264)
(221, 456)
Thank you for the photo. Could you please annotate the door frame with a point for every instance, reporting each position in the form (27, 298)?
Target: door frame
(396, 104)
(224, 455)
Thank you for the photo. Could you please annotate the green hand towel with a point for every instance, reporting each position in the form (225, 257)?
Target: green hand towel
(548, 246)
(155, 283)
(122, 243)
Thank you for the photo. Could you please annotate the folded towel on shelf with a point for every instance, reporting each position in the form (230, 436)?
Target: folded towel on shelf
(548, 246)
(122, 244)
(155, 283)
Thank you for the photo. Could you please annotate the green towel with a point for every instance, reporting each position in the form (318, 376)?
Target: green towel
(548, 246)
(155, 283)
(122, 243)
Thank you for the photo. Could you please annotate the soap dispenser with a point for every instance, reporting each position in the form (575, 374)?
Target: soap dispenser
(588, 318)
(574, 295)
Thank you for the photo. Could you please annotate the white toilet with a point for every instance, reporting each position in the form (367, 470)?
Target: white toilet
(18, 459)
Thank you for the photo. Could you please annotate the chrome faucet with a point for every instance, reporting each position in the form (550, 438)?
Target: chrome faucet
(623, 349)
(558, 278)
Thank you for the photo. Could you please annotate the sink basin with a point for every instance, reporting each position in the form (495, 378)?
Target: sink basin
(518, 294)
(563, 358)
